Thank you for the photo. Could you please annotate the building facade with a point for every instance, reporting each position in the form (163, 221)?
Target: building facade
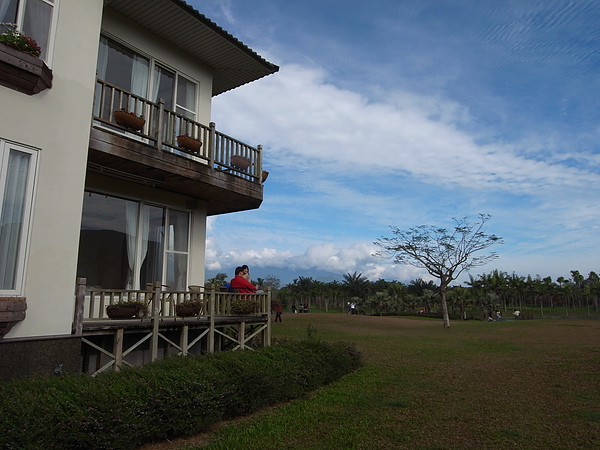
(83, 194)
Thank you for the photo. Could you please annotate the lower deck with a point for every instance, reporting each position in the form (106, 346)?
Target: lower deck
(112, 344)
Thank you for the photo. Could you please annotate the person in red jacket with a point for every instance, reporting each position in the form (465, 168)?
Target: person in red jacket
(241, 284)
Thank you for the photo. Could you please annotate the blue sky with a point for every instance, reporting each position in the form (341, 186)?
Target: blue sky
(412, 112)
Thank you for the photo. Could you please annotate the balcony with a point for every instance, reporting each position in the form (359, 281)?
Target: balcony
(160, 329)
(225, 173)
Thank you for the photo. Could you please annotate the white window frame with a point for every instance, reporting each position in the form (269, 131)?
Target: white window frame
(150, 94)
(25, 237)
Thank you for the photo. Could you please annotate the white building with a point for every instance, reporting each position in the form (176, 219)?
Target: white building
(82, 196)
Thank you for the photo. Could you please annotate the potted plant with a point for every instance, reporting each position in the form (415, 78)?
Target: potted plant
(187, 142)
(240, 162)
(244, 306)
(126, 310)
(188, 308)
(129, 119)
(15, 39)
(12, 311)
(21, 67)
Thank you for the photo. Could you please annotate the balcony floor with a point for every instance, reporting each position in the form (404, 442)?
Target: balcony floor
(115, 155)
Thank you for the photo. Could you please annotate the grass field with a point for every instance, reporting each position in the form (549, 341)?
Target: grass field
(516, 384)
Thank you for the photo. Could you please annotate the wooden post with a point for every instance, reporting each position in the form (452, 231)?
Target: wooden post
(118, 349)
(258, 165)
(77, 327)
(267, 340)
(184, 340)
(156, 304)
(211, 315)
(159, 128)
(242, 335)
(212, 144)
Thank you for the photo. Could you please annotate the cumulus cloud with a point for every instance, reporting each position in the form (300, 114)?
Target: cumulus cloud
(350, 159)
(306, 120)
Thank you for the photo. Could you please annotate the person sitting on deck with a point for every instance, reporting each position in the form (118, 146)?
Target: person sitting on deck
(241, 284)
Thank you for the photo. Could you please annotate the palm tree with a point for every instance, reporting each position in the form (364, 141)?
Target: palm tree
(356, 285)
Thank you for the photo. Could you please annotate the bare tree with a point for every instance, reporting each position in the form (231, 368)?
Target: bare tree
(444, 254)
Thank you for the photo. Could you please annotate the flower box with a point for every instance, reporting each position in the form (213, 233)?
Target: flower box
(126, 310)
(12, 311)
(189, 143)
(188, 310)
(23, 72)
(129, 120)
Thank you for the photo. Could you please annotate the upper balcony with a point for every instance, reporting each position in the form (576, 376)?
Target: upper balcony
(224, 172)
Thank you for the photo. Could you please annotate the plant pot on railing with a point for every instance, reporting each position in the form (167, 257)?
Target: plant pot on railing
(240, 162)
(244, 306)
(188, 308)
(12, 311)
(189, 143)
(126, 310)
(129, 120)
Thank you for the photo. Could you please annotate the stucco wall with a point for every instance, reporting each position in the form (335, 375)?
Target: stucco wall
(57, 122)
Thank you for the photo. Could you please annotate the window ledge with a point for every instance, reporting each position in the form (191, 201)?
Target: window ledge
(23, 72)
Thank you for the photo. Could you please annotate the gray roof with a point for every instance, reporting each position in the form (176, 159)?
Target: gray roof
(234, 64)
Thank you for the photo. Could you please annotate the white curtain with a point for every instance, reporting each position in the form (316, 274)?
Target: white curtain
(36, 23)
(131, 225)
(145, 234)
(139, 81)
(11, 217)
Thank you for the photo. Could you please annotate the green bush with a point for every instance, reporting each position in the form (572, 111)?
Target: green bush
(174, 397)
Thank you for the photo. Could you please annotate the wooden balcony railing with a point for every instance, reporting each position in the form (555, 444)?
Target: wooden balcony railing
(162, 126)
(91, 303)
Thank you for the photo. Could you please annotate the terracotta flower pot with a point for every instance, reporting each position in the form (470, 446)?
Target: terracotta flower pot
(240, 162)
(129, 120)
(187, 310)
(122, 311)
(189, 143)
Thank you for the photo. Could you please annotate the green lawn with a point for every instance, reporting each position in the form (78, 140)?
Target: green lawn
(514, 384)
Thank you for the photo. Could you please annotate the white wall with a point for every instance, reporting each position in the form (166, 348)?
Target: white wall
(57, 121)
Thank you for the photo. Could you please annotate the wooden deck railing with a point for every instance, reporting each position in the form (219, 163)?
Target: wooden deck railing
(162, 126)
(91, 303)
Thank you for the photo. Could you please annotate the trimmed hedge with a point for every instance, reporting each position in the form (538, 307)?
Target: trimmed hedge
(174, 397)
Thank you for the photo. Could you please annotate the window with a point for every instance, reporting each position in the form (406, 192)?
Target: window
(125, 244)
(33, 18)
(17, 172)
(130, 71)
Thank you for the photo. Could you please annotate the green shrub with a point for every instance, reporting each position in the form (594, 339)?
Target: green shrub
(174, 397)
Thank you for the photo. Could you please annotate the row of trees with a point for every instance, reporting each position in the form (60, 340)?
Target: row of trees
(496, 290)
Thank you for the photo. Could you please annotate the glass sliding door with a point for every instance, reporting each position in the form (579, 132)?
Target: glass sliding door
(107, 242)
(125, 244)
(152, 245)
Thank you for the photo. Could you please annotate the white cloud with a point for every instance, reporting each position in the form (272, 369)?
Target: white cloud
(308, 123)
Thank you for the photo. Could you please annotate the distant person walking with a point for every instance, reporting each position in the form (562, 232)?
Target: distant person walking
(517, 314)
(278, 311)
